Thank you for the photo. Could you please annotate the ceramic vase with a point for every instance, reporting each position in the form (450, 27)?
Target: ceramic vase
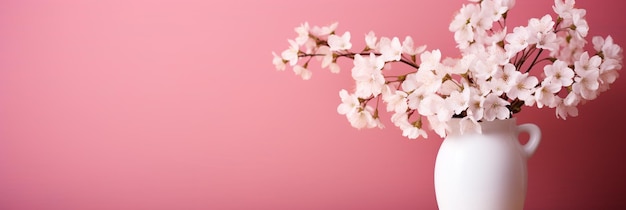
(484, 171)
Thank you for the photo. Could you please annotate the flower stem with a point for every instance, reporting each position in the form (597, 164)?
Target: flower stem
(534, 61)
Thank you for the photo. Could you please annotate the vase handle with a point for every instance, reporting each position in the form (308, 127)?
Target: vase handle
(534, 137)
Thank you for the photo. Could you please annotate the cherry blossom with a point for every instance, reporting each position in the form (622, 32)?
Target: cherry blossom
(409, 48)
(349, 103)
(303, 33)
(390, 49)
(563, 8)
(396, 102)
(368, 76)
(278, 62)
(493, 10)
(559, 73)
(291, 53)
(517, 41)
(303, 72)
(469, 124)
(523, 88)
(495, 108)
(337, 43)
(409, 130)
(458, 101)
(371, 41)
(438, 125)
(362, 119)
(544, 95)
(324, 30)
(586, 83)
(563, 111)
(545, 63)
(476, 107)
(463, 31)
(430, 60)
(580, 24)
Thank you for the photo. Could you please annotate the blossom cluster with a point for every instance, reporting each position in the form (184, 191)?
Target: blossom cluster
(544, 64)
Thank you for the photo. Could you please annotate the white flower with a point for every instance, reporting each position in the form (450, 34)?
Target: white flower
(349, 103)
(400, 119)
(278, 62)
(334, 67)
(430, 60)
(607, 77)
(303, 72)
(414, 98)
(427, 80)
(586, 83)
(523, 88)
(487, 61)
(459, 101)
(559, 73)
(370, 41)
(463, 64)
(368, 75)
(548, 41)
(493, 10)
(493, 39)
(476, 107)
(572, 99)
(563, 8)
(438, 125)
(541, 26)
(448, 87)
(303, 33)
(463, 32)
(413, 132)
(357, 116)
(609, 49)
(503, 80)
(586, 63)
(327, 59)
(396, 102)
(469, 124)
(410, 83)
(498, 86)
(484, 69)
(483, 20)
(587, 75)
(507, 3)
(390, 49)
(409, 130)
(430, 104)
(337, 43)
(570, 51)
(517, 41)
(563, 110)
(291, 53)
(541, 33)
(362, 119)
(545, 94)
(579, 23)
(325, 30)
(495, 108)
(409, 48)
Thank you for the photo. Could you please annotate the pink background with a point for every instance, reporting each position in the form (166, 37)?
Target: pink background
(147, 104)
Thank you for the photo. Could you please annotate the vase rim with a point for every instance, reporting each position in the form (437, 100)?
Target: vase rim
(497, 125)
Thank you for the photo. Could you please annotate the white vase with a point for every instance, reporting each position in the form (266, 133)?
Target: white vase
(484, 171)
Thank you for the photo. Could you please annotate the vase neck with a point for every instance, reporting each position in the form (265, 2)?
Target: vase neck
(488, 127)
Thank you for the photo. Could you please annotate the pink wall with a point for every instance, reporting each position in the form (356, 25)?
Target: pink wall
(147, 104)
